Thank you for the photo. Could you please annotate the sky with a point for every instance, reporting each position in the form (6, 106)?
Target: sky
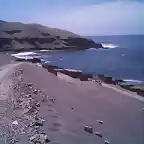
(84, 17)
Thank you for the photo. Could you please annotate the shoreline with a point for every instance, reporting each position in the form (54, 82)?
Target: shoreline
(78, 74)
(135, 88)
(63, 106)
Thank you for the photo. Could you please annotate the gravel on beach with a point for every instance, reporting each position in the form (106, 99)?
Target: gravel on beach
(38, 107)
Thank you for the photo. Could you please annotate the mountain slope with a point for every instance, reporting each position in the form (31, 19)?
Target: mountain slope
(18, 36)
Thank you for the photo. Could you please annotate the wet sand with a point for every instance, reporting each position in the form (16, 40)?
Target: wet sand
(69, 106)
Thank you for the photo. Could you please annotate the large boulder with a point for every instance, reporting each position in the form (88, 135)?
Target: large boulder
(50, 68)
(35, 60)
(140, 92)
(70, 72)
(106, 79)
(85, 76)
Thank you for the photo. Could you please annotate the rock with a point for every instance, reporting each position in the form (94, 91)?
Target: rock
(53, 71)
(35, 91)
(70, 72)
(108, 80)
(30, 110)
(44, 138)
(107, 142)
(98, 134)
(29, 84)
(35, 60)
(52, 100)
(49, 66)
(37, 104)
(100, 122)
(38, 122)
(39, 139)
(84, 77)
(21, 70)
(118, 81)
(14, 87)
(88, 129)
(15, 122)
(12, 140)
(28, 96)
(140, 92)
(44, 98)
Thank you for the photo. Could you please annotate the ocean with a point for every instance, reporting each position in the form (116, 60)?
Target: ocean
(124, 58)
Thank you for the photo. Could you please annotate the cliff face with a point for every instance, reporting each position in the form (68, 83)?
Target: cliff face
(17, 36)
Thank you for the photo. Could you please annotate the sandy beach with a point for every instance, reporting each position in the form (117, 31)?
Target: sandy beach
(39, 106)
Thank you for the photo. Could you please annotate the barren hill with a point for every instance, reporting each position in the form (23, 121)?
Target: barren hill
(18, 36)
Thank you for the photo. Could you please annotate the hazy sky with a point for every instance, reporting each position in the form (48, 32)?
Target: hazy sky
(85, 17)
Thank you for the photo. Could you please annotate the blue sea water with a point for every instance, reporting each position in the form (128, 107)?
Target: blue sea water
(124, 59)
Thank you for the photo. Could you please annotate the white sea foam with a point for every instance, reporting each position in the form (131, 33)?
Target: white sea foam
(45, 50)
(133, 81)
(23, 54)
(92, 49)
(109, 45)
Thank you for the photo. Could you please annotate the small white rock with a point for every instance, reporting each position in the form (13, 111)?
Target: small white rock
(88, 129)
(98, 134)
(38, 64)
(99, 121)
(15, 122)
(107, 142)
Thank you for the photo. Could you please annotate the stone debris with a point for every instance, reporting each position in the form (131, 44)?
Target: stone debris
(37, 122)
(44, 98)
(27, 96)
(100, 122)
(29, 84)
(88, 129)
(37, 104)
(98, 134)
(11, 140)
(35, 91)
(15, 122)
(107, 142)
(26, 103)
(52, 99)
(39, 138)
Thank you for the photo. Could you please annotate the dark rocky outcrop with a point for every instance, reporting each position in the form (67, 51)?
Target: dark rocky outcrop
(106, 79)
(133, 89)
(140, 92)
(85, 76)
(33, 60)
(15, 36)
(70, 72)
(50, 68)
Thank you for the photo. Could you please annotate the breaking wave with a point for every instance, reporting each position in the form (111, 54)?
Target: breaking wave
(133, 81)
(25, 55)
(109, 45)
(92, 49)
